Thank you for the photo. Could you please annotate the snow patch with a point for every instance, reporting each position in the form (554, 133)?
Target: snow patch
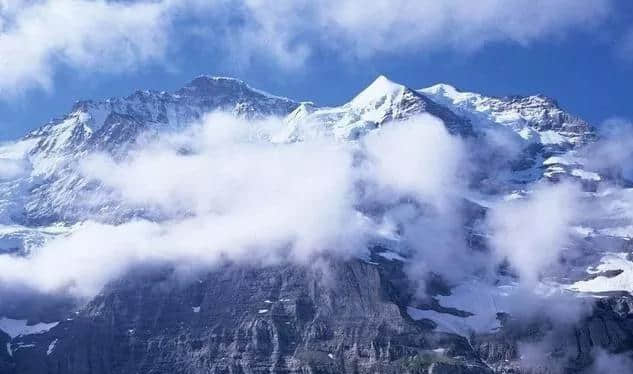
(476, 297)
(620, 231)
(552, 137)
(51, 347)
(19, 327)
(196, 309)
(560, 160)
(583, 231)
(391, 256)
(610, 262)
(20, 346)
(586, 175)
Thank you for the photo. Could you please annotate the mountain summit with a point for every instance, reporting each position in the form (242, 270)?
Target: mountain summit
(382, 101)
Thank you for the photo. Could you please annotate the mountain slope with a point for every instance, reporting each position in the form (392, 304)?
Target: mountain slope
(283, 319)
(53, 185)
(327, 314)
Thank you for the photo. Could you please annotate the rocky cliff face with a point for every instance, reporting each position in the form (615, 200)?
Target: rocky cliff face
(345, 317)
(572, 348)
(342, 317)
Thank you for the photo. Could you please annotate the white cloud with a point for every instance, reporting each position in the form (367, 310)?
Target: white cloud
(363, 29)
(11, 169)
(421, 160)
(532, 233)
(13, 162)
(607, 363)
(391, 25)
(419, 172)
(37, 36)
(612, 153)
(226, 193)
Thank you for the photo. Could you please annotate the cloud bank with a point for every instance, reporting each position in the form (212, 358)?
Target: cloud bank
(224, 192)
(38, 38)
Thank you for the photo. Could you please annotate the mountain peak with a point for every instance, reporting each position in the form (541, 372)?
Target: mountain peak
(218, 85)
(206, 81)
(379, 88)
(383, 80)
(449, 91)
(441, 88)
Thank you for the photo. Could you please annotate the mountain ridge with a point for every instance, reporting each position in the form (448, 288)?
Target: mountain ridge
(114, 126)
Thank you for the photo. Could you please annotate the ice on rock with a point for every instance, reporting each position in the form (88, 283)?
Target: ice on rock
(601, 283)
(481, 300)
(51, 347)
(19, 327)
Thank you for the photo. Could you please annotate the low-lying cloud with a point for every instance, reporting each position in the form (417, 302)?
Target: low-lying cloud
(221, 191)
(612, 154)
(532, 233)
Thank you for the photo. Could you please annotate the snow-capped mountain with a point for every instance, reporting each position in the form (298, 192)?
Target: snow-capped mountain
(53, 187)
(549, 137)
(259, 320)
(382, 101)
(114, 123)
(52, 190)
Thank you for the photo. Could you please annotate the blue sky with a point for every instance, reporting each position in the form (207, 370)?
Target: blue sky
(580, 53)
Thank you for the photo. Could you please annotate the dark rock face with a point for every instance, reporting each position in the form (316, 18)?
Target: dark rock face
(283, 319)
(342, 317)
(415, 102)
(6, 361)
(567, 348)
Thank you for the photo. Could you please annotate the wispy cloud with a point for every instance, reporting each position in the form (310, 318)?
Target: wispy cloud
(39, 37)
(532, 233)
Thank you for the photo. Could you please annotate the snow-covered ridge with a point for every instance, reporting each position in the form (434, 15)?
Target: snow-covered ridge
(382, 101)
(115, 125)
(111, 122)
(535, 118)
(234, 81)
